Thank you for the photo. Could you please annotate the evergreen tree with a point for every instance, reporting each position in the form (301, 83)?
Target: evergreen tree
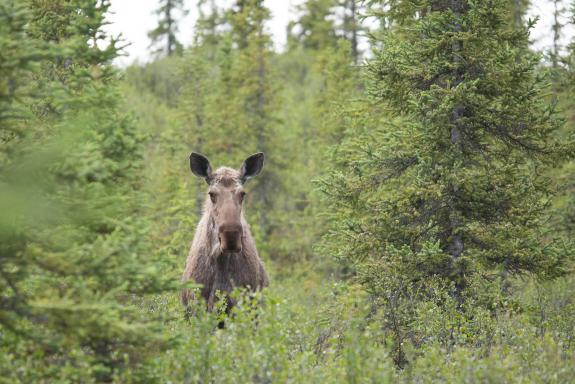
(518, 9)
(72, 237)
(164, 35)
(453, 188)
(323, 22)
(315, 28)
(200, 71)
(230, 99)
(563, 87)
(350, 26)
(571, 45)
(249, 80)
(558, 11)
(20, 61)
(207, 30)
(318, 72)
(254, 48)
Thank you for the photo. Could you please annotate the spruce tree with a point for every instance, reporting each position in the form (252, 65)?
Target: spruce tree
(453, 187)
(318, 71)
(563, 72)
(72, 229)
(351, 27)
(164, 35)
(570, 61)
(20, 61)
(315, 27)
(207, 30)
(555, 53)
(518, 9)
(231, 100)
(322, 23)
(251, 77)
(200, 71)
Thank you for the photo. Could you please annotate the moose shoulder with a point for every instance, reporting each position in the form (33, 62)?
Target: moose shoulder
(223, 255)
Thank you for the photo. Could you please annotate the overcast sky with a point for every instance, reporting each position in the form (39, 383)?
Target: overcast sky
(133, 19)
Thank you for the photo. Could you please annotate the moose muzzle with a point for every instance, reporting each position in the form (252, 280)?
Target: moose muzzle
(230, 238)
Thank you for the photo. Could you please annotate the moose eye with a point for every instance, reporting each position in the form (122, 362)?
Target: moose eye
(212, 196)
(242, 195)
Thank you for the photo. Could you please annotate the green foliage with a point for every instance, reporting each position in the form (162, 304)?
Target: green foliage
(445, 195)
(322, 23)
(231, 86)
(72, 240)
(563, 87)
(342, 340)
(315, 29)
(98, 206)
(459, 174)
(164, 35)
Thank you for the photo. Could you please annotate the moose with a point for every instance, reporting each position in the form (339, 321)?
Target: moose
(223, 255)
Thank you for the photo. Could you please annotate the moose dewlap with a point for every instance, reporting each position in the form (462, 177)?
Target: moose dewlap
(223, 255)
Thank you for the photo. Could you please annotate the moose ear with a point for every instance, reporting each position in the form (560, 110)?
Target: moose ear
(251, 167)
(200, 166)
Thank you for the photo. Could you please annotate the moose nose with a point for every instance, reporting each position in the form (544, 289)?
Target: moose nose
(231, 239)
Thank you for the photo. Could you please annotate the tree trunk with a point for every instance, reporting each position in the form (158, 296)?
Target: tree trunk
(261, 137)
(456, 244)
(169, 25)
(517, 13)
(556, 33)
(353, 23)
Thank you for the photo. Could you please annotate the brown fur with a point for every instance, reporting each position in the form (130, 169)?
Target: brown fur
(216, 270)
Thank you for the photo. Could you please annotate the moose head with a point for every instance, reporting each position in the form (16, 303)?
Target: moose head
(226, 195)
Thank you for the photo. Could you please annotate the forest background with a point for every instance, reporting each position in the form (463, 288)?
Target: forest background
(415, 212)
